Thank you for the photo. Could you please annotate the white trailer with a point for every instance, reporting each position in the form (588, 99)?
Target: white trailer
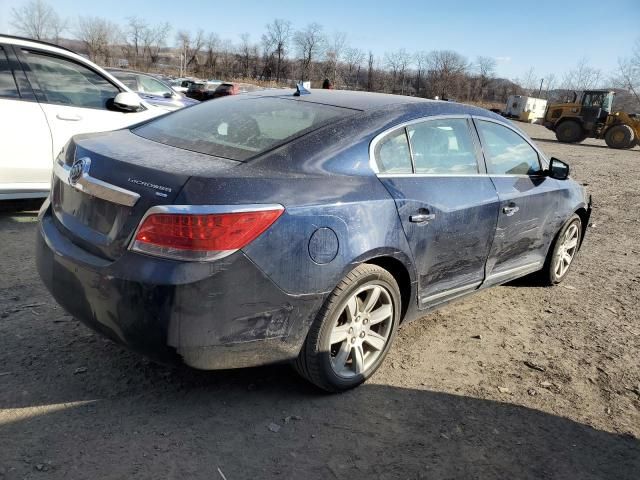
(518, 104)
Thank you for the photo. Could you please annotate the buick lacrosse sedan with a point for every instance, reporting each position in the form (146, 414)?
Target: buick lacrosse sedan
(274, 227)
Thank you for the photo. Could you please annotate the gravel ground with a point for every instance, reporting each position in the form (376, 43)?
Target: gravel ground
(516, 382)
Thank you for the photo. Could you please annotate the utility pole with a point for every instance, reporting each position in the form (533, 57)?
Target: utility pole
(540, 91)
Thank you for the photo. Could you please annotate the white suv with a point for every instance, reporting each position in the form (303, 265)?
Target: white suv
(47, 95)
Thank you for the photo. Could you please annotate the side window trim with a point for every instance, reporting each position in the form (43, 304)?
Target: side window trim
(478, 153)
(542, 159)
(33, 80)
(25, 92)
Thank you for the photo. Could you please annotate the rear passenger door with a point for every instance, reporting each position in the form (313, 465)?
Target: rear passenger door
(528, 202)
(25, 138)
(447, 206)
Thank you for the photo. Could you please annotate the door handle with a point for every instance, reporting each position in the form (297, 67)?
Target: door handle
(69, 118)
(422, 218)
(510, 210)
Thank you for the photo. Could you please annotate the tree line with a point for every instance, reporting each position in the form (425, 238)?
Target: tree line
(284, 54)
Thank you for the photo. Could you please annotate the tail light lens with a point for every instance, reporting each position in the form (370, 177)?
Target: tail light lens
(183, 235)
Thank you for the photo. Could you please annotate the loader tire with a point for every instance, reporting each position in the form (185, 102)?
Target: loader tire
(620, 137)
(570, 131)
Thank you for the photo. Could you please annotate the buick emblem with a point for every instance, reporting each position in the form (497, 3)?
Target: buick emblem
(79, 166)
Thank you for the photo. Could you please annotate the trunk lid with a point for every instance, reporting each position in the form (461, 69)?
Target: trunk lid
(121, 177)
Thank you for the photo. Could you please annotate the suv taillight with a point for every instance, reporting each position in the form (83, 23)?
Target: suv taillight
(178, 233)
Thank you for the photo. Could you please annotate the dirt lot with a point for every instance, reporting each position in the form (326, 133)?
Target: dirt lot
(551, 389)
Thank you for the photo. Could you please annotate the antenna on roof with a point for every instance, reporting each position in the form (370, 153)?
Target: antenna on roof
(300, 90)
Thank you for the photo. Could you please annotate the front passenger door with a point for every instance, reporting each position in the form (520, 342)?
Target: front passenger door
(528, 216)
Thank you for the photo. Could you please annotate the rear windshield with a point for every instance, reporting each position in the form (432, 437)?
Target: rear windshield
(239, 127)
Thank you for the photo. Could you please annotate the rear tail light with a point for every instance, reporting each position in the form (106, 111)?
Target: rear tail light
(201, 233)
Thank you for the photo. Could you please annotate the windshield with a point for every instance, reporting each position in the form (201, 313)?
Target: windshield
(239, 127)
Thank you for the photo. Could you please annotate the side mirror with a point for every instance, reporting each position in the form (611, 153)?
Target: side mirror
(168, 95)
(558, 169)
(127, 102)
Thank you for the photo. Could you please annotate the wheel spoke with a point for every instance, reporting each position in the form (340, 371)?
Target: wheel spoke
(376, 340)
(357, 357)
(352, 308)
(380, 314)
(341, 358)
(567, 258)
(571, 243)
(339, 334)
(372, 299)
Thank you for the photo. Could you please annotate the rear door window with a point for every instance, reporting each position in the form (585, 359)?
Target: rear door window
(443, 147)
(65, 82)
(392, 153)
(240, 127)
(8, 87)
(506, 152)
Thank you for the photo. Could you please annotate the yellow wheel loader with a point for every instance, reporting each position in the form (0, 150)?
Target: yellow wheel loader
(591, 117)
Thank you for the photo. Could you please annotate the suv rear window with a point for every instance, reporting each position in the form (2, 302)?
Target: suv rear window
(240, 127)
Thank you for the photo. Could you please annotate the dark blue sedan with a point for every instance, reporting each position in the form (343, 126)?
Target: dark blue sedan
(273, 227)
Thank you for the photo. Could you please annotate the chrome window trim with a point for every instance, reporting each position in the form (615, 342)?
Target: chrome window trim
(189, 255)
(374, 143)
(94, 186)
(542, 158)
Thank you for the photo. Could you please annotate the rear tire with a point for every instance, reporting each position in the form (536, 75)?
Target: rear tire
(570, 131)
(620, 137)
(353, 331)
(562, 253)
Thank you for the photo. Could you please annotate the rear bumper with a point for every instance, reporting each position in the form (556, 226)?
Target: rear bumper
(224, 314)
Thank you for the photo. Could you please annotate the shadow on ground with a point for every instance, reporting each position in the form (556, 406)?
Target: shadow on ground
(142, 420)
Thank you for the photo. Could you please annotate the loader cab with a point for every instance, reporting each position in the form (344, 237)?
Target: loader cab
(595, 107)
(598, 99)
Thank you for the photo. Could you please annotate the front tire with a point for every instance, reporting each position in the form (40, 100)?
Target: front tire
(563, 252)
(620, 137)
(353, 331)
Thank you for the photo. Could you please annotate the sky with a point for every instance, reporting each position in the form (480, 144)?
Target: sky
(550, 36)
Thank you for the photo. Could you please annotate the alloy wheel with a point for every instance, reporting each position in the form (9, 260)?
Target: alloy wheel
(567, 250)
(361, 330)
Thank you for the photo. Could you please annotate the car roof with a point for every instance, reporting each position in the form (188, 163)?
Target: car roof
(370, 101)
(40, 43)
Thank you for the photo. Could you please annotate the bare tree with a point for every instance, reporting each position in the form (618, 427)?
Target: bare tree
(446, 71)
(353, 59)
(98, 35)
(398, 62)
(551, 84)
(134, 33)
(529, 81)
(582, 77)
(334, 53)
(211, 61)
(420, 60)
(628, 73)
(190, 48)
(276, 40)
(486, 67)
(370, 72)
(153, 41)
(245, 51)
(310, 43)
(37, 19)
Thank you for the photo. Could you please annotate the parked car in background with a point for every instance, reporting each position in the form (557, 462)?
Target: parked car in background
(202, 90)
(299, 228)
(181, 85)
(152, 90)
(47, 95)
